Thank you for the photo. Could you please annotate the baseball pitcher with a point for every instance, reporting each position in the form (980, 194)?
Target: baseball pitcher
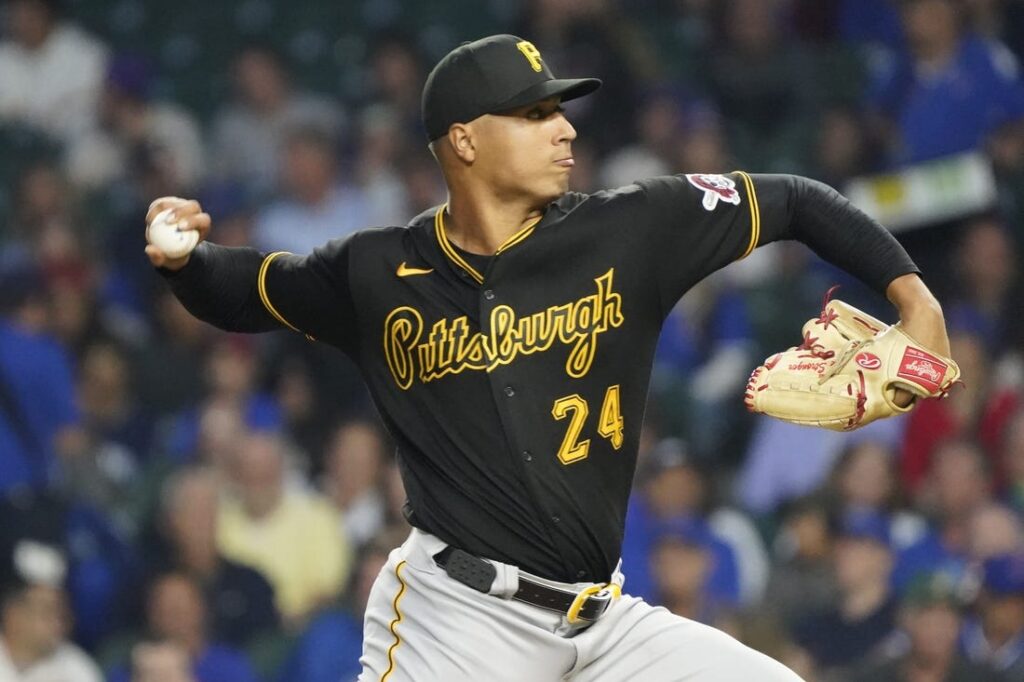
(507, 339)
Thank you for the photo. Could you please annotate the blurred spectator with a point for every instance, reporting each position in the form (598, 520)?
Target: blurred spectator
(866, 613)
(703, 145)
(682, 560)
(119, 434)
(248, 133)
(160, 661)
(785, 461)
(703, 358)
(318, 205)
(659, 124)
(842, 149)
(929, 620)
(762, 632)
(51, 72)
(958, 485)
(802, 581)
(424, 187)
(865, 478)
(177, 613)
(305, 421)
(994, 636)
(111, 412)
(949, 91)
(35, 620)
(395, 78)
(42, 207)
(979, 409)
(757, 76)
(382, 144)
(353, 479)
(291, 536)
(987, 268)
(1013, 461)
(329, 649)
(39, 422)
(673, 496)
(169, 367)
(994, 529)
(875, 23)
(230, 374)
(133, 125)
(240, 600)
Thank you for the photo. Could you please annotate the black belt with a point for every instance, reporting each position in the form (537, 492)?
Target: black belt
(479, 574)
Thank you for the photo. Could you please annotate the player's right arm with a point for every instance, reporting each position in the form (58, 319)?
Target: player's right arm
(240, 289)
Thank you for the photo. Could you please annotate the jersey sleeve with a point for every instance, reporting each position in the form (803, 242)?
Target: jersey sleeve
(239, 289)
(695, 224)
(692, 225)
(311, 294)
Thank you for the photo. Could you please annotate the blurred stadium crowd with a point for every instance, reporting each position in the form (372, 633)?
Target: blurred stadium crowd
(184, 504)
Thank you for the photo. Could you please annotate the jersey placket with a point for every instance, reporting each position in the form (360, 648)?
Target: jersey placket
(505, 390)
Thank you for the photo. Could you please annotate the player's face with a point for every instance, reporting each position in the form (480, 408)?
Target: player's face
(526, 152)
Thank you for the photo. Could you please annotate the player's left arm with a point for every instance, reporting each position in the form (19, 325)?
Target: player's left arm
(794, 207)
(798, 208)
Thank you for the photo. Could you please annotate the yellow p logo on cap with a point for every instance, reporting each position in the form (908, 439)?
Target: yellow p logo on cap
(531, 53)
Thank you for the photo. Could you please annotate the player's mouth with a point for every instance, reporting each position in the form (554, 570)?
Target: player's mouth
(567, 162)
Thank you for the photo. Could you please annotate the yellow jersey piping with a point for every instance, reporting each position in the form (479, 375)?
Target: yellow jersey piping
(755, 214)
(261, 287)
(394, 623)
(449, 250)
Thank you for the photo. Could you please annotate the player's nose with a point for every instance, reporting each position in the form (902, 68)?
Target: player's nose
(566, 133)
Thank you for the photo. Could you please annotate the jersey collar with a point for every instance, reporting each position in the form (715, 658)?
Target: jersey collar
(455, 257)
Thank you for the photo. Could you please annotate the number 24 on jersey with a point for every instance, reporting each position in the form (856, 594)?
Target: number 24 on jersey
(573, 407)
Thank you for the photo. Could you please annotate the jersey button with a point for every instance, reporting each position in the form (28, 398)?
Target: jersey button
(581, 574)
(555, 518)
(527, 456)
(509, 391)
(489, 294)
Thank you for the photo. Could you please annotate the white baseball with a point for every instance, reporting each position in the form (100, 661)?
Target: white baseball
(166, 236)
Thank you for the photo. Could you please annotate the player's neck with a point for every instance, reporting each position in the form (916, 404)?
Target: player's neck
(482, 226)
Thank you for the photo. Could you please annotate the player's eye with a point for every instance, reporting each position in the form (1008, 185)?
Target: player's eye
(540, 113)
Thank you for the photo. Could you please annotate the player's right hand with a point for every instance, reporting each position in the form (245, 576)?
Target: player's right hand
(189, 214)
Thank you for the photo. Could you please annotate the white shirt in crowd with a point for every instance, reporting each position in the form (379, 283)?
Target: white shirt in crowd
(56, 87)
(67, 664)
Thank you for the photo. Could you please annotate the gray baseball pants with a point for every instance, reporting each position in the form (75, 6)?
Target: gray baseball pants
(423, 626)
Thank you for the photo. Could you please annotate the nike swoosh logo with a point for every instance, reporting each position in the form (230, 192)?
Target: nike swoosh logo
(405, 271)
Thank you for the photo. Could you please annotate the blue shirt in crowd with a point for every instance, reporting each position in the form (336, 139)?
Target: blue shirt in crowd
(954, 108)
(215, 664)
(36, 374)
(328, 650)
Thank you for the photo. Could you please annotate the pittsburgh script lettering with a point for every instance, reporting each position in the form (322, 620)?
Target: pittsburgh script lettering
(450, 347)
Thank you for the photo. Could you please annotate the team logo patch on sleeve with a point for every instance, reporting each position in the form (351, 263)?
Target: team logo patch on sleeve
(716, 188)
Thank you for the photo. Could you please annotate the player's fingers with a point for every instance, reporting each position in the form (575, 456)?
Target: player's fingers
(160, 204)
(186, 209)
(199, 222)
(156, 256)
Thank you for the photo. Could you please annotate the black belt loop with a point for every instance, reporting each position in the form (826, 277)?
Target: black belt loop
(479, 574)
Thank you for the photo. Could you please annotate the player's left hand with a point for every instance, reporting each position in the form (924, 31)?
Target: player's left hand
(850, 370)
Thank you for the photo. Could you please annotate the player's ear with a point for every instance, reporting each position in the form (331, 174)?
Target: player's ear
(460, 136)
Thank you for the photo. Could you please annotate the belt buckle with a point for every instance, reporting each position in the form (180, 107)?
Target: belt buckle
(605, 592)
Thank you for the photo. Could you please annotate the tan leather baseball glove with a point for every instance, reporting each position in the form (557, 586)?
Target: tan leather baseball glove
(846, 372)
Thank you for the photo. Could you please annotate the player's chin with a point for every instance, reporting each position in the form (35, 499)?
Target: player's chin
(555, 188)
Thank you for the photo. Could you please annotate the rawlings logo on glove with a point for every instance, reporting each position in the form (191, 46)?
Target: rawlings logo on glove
(846, 372)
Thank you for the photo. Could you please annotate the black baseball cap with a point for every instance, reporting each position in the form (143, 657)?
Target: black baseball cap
(489, 75)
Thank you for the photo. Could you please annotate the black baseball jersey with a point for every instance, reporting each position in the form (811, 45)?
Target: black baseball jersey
(515, 384)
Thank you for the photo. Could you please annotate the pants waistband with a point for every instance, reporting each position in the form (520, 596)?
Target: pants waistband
(583, 601)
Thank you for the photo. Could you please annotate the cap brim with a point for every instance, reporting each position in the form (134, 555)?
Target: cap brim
(566, 88)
